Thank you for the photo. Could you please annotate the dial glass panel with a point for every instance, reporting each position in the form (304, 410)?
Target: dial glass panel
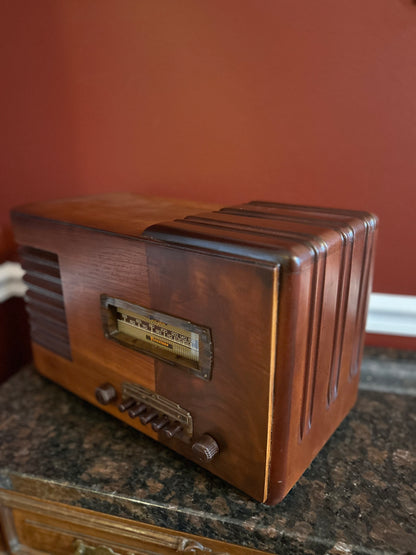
(168, 338)
(174, 340)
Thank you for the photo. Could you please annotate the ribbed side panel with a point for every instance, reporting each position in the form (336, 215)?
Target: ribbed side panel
(45, 301)
(333, 218)
(352, 279)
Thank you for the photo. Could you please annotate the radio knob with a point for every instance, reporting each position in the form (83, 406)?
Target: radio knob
(105, 394)
(206, 448)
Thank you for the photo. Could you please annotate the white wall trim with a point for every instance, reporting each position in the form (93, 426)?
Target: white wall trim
(387, 314)
(392, 314)
(11, 282)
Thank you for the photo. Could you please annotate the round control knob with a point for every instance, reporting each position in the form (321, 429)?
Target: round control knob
(105, 394)
(206, 448)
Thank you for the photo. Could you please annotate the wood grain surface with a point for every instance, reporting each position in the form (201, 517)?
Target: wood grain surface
(283, 289)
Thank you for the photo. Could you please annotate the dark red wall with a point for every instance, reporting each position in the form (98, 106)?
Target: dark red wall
(222, 100)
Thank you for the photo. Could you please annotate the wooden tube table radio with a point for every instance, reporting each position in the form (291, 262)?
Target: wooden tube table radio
(233, 336)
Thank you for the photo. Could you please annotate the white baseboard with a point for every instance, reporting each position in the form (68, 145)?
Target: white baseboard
(392, 314)
(11, 282)
(387, 314)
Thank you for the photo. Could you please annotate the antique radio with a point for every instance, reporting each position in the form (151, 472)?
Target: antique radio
(232, 335)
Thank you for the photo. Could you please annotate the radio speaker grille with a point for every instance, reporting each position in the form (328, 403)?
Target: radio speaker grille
(45, 300)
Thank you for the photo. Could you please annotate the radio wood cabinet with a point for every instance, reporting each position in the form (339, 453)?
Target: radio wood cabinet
(233, 336)
(32, 526)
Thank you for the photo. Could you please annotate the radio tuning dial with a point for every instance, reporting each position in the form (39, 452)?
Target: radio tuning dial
(105, 394)
(205, 448)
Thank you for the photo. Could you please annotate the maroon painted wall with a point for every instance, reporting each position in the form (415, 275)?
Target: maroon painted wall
(220, 100)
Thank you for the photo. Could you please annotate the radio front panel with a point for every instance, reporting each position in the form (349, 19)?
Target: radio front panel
(205, 392)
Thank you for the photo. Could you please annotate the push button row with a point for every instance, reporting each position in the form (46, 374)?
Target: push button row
(205, 448)
(147, 414)
(106, 394)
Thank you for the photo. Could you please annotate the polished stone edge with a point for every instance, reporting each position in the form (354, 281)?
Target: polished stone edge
(243, 533)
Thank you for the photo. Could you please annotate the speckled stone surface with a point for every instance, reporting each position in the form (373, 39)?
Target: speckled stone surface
(358, 496)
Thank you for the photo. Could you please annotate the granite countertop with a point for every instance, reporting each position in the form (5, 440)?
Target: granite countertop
(358, 495)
